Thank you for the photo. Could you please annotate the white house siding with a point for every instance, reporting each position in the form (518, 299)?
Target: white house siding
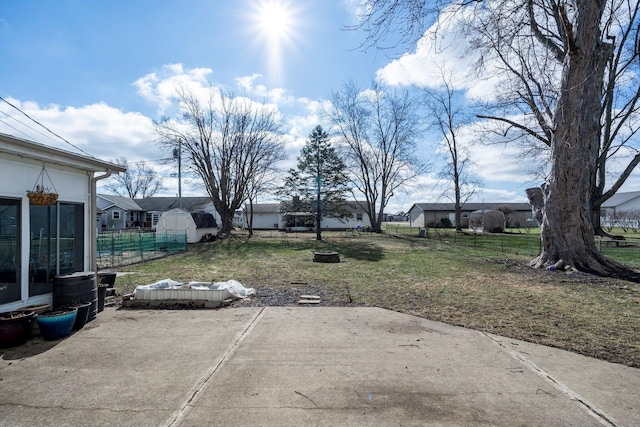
(267, 221)
(21, 163)
(347, 223)
(416, 216)
(621, 202)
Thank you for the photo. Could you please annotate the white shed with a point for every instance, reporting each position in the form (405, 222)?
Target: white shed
(180, 222)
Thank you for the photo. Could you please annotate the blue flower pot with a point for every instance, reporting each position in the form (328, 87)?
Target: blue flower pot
(57, 324)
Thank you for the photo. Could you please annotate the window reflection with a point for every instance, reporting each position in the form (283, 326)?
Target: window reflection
(9, 250)
(57, 244)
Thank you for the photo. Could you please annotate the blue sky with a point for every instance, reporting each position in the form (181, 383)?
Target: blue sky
(98, 72)
(75, 52)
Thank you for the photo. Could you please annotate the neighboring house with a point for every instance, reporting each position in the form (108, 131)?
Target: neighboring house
(39, 242)
(122, 213)
(156, 206)
(425, 215)
(268, 216)
(118, 213)
(180, 222)
(620, 202)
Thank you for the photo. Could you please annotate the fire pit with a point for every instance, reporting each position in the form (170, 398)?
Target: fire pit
(326, 256)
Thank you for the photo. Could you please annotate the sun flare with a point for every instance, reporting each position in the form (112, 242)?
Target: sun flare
(275, 20)
(275, 24)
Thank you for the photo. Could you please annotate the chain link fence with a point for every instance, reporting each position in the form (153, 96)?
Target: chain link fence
(525, 241)
(130, 247)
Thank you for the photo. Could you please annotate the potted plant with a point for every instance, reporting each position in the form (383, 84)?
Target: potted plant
(57, 324)
(15, 327)
(39, 309)
(41, 195)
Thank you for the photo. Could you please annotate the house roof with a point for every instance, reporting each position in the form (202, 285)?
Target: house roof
(352, 205)
(163, 204)
(46, 154)
(264, 207)
(620, 198)
(469, 206)
(122, 202)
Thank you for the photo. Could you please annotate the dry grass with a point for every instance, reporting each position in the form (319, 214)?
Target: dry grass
(459, 285)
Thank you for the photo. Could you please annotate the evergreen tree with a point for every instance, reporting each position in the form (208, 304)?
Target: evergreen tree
(318, 185)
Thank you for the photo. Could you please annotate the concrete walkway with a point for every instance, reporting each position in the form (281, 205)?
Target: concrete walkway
(300, 366)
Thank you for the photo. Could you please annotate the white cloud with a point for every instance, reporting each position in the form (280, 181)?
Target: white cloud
(109, 133)
(246, 82)
(442, 50)
(98, 129)
(160, 88)
(355, 8)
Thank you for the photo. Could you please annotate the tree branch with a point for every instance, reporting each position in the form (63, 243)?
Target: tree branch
(518, 126)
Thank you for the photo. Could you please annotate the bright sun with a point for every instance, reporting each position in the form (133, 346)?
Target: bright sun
(275, 20)
(274, 24)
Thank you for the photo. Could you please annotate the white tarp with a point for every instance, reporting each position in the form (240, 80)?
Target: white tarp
(234, 287)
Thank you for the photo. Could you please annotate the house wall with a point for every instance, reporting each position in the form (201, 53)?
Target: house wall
(416, 217)
(267, 221)
(630, 205)
(422, 219)
(17, 176)
(355, 221)
(109, 223)
(273, 221)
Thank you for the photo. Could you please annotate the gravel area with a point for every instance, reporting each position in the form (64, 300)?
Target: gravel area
(265, 296)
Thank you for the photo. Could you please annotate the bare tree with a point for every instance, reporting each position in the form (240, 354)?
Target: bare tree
(378, 128)
(138, 181)
(230, 142)
(535, 81)
(448, 117)
(580, 37)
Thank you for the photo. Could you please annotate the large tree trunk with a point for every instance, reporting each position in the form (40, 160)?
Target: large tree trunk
(226, 219)
(566, 230)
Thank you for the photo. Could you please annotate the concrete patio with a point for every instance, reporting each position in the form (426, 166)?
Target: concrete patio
(298, 366)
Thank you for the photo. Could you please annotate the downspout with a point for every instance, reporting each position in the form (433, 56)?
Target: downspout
(93, 213)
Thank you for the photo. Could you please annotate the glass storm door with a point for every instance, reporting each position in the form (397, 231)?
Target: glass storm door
(9, 251)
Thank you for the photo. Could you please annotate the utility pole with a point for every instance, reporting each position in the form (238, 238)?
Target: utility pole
(318, 195)
(180, 172)
(177, 154)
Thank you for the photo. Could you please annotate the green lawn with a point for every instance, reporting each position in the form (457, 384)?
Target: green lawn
(462, 283)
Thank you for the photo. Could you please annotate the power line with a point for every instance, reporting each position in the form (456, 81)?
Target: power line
(25, 125)
(44, 127)
(15, 128)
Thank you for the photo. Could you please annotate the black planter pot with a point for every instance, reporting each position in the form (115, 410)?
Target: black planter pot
(83, 315)
(108, 279)
(15, 328)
